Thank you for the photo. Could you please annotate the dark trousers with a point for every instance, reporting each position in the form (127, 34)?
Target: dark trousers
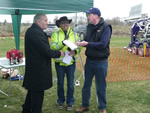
(33, 102)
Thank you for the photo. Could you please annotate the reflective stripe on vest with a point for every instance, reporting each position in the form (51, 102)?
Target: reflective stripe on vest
(56, 45)
(59, 47)
(73, 33)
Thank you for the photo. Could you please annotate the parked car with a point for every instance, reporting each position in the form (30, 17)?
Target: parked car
(81, 30)
(51, 28)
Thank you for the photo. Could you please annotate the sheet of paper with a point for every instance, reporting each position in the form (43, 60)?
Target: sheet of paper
(67, 59)
(70, 44)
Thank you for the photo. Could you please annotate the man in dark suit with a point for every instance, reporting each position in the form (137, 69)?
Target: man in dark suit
(38, 71)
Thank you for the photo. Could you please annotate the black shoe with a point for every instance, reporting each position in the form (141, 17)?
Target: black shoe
(69, 107)
(60, 106)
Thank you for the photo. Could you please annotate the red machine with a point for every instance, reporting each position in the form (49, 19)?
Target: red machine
(15, 56)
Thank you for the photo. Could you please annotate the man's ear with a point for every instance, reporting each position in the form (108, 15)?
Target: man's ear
(38, 21)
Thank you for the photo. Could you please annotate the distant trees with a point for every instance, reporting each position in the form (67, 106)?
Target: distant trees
(76, 20)
(120, 27)
(56, 18)
(116, 21)
(5, 22)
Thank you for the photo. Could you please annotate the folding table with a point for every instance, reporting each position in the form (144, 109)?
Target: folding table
(4, 63)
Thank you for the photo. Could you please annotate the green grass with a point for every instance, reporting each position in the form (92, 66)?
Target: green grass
(6, 44)
(119, 41)
(122, 97)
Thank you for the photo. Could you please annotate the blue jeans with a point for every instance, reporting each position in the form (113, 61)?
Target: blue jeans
(69, 71)
(99, 69)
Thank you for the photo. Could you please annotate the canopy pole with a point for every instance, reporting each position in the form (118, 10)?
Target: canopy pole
(16, 21)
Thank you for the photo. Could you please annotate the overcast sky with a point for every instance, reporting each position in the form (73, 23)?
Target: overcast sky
(119, 8)
(108, 8)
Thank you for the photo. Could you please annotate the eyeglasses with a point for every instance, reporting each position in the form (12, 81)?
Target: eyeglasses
(65, 22)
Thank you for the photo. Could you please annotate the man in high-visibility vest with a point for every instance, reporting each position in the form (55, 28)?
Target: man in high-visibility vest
(57, 43)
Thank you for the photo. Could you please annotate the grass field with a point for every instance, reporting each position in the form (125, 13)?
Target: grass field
(122, 97)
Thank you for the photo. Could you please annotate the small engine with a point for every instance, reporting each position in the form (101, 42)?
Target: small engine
(15, 56)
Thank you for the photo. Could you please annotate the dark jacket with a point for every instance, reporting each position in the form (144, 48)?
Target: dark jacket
(94, 49)
(38, 72)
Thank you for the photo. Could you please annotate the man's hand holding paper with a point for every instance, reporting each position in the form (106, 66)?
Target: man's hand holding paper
(82, 44)
(71, 53)
(70, 44)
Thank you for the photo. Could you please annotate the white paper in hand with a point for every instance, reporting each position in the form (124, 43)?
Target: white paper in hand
(70, 44)
(67, 59)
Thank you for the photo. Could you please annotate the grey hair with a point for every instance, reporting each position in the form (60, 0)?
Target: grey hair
(38, 17)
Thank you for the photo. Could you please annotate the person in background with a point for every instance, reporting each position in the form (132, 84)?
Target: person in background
(62, 68)
(97, 51)
(38, 71)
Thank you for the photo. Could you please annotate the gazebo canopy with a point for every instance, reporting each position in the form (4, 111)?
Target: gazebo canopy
(17, 8)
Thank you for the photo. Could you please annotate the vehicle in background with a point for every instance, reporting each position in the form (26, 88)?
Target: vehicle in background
(80, 30)
(51, 28)
(140, 35)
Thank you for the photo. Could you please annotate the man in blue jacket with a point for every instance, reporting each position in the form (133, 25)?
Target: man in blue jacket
(97, 51)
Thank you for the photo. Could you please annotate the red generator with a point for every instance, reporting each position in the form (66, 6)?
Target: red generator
(15, 56)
